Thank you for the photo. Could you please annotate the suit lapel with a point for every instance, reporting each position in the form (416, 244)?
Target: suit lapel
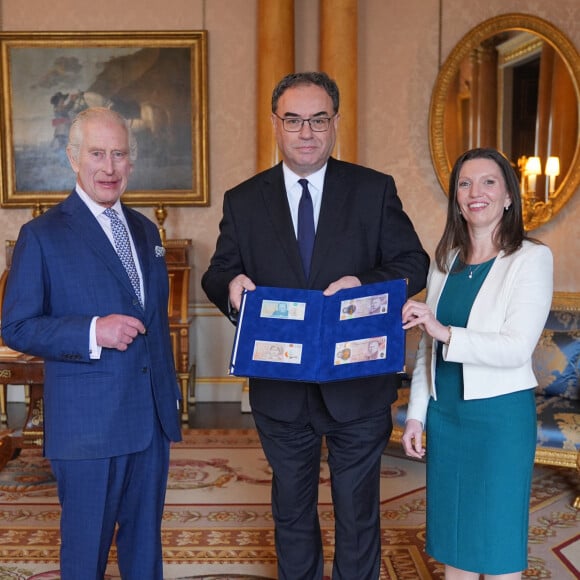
(275, 200)
(80, 219)
(332, 212)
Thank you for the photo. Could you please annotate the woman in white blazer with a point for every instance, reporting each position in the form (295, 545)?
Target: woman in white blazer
(488, 296)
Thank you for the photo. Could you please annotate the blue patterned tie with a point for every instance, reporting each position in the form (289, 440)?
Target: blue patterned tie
(123, 247)
(305, 226)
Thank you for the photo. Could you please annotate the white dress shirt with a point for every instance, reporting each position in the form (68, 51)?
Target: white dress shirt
(294, 192)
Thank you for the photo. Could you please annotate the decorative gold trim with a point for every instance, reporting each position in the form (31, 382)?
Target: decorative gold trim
(526, 49)
(556, 457)
(540, 212)
(225, 380)
(67, 46)
(566, 301)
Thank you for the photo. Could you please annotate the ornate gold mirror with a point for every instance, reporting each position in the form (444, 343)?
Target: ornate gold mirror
(513, 82)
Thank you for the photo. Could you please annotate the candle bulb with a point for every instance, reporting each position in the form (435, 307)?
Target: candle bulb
(552, 183)
(552, 170)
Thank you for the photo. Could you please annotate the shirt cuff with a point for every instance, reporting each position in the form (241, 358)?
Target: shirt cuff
(94, 348)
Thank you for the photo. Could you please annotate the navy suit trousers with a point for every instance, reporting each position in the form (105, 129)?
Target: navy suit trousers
(96, 495)
(293, 451)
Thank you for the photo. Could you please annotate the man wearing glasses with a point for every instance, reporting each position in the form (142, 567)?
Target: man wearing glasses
(315, 222)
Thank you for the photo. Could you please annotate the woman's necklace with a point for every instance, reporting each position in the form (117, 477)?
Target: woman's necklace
(473, 269)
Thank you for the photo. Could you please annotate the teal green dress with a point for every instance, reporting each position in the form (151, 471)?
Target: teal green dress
(480, 456)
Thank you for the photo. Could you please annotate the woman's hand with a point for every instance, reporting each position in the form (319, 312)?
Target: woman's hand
(419, 314)
(412, 439)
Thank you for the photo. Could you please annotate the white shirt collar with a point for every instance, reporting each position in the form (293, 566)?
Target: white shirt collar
(94, 207)
(316, 178)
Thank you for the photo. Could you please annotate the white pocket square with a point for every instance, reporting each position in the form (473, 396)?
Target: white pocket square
(159, 251)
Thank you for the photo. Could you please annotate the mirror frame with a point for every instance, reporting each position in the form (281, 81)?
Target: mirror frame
(540, 213)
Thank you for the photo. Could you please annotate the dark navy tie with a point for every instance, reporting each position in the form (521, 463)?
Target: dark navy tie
(305, 226)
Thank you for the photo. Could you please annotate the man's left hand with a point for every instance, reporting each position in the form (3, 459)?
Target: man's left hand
(341, 284)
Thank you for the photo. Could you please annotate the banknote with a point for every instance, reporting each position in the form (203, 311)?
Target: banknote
(282, 352)
(367, 306)
(365, 349)
(283, 309)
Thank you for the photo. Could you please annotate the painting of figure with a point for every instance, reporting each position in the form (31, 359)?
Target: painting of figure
(154, 87)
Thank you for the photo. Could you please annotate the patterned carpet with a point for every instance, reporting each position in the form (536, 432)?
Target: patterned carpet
(218, 523)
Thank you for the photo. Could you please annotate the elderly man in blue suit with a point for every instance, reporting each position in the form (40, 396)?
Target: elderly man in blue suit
(88, 292)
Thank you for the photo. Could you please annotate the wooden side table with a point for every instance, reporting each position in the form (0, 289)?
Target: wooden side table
(22, 369)
(178, 266)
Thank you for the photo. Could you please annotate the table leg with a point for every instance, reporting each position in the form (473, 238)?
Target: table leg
(33, 430)
(6, 450)
(184, 385)
(3, 397)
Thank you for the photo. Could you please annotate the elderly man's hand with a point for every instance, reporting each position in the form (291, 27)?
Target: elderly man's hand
(118, 331)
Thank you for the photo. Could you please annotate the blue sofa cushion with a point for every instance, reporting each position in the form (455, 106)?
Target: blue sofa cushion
(556, 359)
(558, 423)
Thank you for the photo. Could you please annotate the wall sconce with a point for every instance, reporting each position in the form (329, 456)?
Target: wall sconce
(537, 210)
(552, 170)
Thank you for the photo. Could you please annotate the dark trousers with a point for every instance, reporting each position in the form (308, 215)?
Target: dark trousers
(293, 451)
(97, 494)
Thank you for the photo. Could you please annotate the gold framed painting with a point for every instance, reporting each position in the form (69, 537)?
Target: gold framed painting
(156, 80)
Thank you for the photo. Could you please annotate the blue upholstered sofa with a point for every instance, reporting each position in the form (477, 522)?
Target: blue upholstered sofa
(556, 363)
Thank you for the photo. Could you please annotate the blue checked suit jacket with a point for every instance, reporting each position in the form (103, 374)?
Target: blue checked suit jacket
(64, 272)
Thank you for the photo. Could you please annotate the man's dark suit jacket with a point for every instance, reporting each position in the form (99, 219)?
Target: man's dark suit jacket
(65, 271)
(362, 231)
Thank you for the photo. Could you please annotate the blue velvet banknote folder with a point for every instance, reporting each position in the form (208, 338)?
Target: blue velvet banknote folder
(303, 335)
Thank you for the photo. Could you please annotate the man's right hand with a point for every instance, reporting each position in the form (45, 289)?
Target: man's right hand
(118, 331)
(236, 288)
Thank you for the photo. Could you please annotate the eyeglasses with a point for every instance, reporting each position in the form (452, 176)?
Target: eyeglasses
(295, 124)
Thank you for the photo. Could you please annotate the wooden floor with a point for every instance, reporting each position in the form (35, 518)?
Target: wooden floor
(201, 416)
(219, 416)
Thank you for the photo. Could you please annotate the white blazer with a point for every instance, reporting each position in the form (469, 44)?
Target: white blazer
(504, 325)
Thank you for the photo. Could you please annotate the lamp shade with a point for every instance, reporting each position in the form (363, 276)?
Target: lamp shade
(553, 166)
(533, 166)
